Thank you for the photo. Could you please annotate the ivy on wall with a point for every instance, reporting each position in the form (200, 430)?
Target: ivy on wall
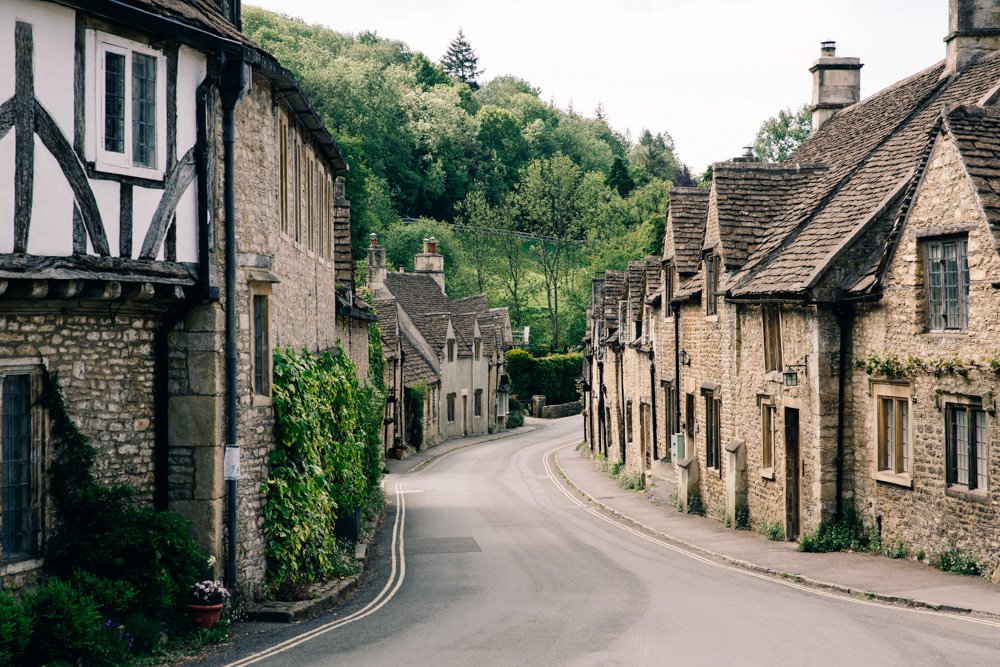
(892, 366)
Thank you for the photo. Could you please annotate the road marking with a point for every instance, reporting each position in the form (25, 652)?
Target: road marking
(388, 592)
(737, 570)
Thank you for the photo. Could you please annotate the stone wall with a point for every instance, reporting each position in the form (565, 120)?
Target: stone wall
(921, 510)
(563, 410)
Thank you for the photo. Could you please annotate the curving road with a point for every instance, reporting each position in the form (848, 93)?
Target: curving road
(486, 559)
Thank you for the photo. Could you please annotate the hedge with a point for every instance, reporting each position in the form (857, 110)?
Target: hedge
(554, 376)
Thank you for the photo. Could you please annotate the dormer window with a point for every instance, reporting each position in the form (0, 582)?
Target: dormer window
(711, 284)
(451, 349)
(947, 270)
(129, 84)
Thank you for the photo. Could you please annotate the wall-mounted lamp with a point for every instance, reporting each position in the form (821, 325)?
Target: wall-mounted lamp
(685, 358)
(790, 377)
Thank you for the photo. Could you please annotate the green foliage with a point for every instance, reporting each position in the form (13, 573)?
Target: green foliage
(461, 62)
(891, 366)
(110, 550)
(958, 561)
(773, 531)
(742, 518)
(895, 550)
(616, 469)
(780, 135)
(515, 413)
(15, 629)
(844, 534)
(695, 506)
(323, 466)
(631, 481)
(921, 555)
(554, 375)
(69, 628)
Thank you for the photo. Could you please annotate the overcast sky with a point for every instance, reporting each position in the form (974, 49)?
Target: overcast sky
(705, 71)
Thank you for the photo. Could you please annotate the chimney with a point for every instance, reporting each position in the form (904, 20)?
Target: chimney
(973, 31)
(430, 262)
(376, 266)
(836, 84)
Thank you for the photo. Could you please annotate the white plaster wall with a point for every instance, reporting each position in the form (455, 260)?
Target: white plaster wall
(51, 230)
(108, 196)
(6, 185)
(144, 203)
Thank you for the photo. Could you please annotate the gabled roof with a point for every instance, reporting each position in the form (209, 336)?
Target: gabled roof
(872, 150)
(636, 281)
(388, 326)
(415, 367)
(614, 292)
(686, 223)
(977, 135)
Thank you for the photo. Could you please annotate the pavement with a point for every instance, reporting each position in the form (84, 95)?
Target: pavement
(898, 581)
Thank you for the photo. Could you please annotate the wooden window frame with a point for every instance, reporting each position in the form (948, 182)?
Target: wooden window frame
(713, 431)
(767, 419)
(450, 346)
(936, 283)
(628, 422)
(261, 378)
(477, 403)
(976, 451)
(283, 173)
(893, 465)
(450, 407)
(771, 325)
(668, 288)
(31, 556)
(711, 284)
(477, 346)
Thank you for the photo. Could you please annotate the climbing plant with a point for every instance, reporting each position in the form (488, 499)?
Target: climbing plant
(892, 366)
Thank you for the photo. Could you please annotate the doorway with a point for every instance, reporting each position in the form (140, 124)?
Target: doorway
(792, 473)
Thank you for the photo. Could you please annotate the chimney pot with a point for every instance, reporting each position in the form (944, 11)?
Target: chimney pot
(828, 49)
(374, 239)
(836, 83)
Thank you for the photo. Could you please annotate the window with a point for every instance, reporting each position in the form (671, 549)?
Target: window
(668, 287)
(965, 444)
(771, 317)
(713, 407)
(478, 347)
(297, 189)
(130, 100)
(767, 436)
(947, 265)
(477, 403)
(689, 418)
(310, 204)
(19, 461)
(283, 173)
(261, 344)
(628, 421)
(892, 404)
(711, 284)
(451, 407)
(451, 349)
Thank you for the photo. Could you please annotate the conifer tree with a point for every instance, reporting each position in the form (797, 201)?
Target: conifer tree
(461, 61)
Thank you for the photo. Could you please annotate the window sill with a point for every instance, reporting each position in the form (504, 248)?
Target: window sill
(154, 175)
(261, 401)
(767, 473)
(964, 493)
(712, 318)
(20, 564)
(894, 478)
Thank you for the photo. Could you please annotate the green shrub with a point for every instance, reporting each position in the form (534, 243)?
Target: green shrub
(631, 481)
(15, 628)
(845, 534)
(695, 505)
(742, 520)
(895, 550)
(554, 375)
(515, 413)
(616, 469)
(773, 531)
(959, 562)
(68, 627)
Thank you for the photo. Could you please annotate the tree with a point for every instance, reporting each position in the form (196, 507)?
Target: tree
(547, 203)
(620, 178)
(653, 157)
(780, 135)
(480, 222)
(461, 62)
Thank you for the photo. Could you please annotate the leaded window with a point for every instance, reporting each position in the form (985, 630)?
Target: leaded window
(18, 517)
(947, 264)
(261, 346)
(965, 442)
(893, 434)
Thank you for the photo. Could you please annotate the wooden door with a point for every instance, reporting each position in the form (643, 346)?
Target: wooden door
(792, 473)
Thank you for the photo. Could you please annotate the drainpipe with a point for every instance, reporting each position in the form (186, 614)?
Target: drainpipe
(602, 435)
(652, 399)
(676, 307)
(232, 86)
(621, 402)
(845, 314)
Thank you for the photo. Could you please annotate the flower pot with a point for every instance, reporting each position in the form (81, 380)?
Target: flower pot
(205, 615)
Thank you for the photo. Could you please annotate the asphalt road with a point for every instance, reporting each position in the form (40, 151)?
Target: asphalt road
(486, 559)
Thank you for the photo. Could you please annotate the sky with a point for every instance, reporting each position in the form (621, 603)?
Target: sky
(707, 72)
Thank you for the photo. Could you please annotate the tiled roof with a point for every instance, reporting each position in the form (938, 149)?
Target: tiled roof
(750, 198)
(652, 274)
(872, 150)
(977, 134)
(689, 289)
(614, 291)
(388, 326)
(686, 224)
(415, 367)
(636, 276)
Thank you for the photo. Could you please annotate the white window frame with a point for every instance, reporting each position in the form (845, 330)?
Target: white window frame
(110, 161)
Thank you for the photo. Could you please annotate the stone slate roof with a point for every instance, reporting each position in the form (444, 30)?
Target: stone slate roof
(415, 367)
(689, 290)
(388, 326)
(750, 197)
(636, 279)
(686, 222)
(653, 274)
(873, 150)
(977, 134)
(614, 292)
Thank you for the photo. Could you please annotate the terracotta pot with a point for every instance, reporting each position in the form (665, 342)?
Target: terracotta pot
(205, 615)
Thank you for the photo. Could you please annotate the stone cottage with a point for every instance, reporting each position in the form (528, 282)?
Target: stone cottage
(450, 352)
(170, 220)
(836, 336)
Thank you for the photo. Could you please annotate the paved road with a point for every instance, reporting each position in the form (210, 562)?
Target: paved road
(486, 559)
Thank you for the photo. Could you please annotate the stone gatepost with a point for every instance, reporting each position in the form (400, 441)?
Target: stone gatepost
(687, 480)
(736, 479)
